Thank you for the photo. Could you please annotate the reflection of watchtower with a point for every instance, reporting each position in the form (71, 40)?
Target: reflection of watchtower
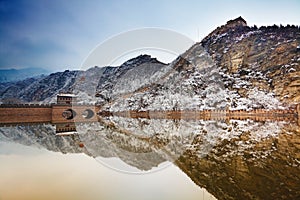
(66, 98)
(65, 128)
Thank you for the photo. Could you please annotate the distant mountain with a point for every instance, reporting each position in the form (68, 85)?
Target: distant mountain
(83, 83)
(38, 89)
(10, 75)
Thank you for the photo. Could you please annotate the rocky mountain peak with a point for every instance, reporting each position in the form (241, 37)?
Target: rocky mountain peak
(236, 22)
(143, 58)
(266, 58)
(231, 25)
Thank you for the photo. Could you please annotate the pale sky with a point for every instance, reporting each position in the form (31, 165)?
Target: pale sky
(59, 34)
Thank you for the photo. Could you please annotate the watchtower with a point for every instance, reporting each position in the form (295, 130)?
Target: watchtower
(66, 98)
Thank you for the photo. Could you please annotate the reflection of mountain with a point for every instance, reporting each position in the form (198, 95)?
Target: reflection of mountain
(41, 136)
(99, 141)
(268, 169)
(232, 160)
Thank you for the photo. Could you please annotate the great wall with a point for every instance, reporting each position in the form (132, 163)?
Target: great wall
(64, 114)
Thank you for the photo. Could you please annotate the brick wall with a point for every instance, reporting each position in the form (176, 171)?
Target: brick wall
(57, 111)
(30, 113)
(25, 114)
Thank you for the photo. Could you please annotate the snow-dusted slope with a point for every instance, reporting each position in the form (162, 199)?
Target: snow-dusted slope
(198, 84)
(130, 76)
(235, 67)
(42, 89)
(103, 82)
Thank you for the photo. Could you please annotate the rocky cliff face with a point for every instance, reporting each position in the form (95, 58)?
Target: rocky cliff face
(267, 58)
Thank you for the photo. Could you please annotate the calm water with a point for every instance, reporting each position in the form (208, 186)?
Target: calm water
(124, 158)
(32, 173)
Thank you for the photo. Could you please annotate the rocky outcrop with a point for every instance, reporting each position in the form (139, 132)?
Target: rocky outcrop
(267, 57)
(231, 24)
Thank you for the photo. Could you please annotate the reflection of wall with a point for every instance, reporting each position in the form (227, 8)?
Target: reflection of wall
(298, 111)
(256, 115)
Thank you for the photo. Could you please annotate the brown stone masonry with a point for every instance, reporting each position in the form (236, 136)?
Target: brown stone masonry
(30, 113)
(54, 113)
(24, 113)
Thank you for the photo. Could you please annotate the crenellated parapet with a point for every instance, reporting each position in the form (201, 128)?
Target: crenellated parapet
(25, 105)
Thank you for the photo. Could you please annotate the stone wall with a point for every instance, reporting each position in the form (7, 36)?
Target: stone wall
(23, 114)
(57, 111)
(46, 113)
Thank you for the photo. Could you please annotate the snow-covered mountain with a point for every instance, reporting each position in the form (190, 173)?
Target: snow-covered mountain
(108, 80)
(234, 67)
(265, 59)
(42, 89)
(133, 74)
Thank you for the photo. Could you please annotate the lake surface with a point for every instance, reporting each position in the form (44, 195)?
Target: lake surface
(32, 173)
(140, 158)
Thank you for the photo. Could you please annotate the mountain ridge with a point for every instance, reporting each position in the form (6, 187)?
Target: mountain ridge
(235, 67)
